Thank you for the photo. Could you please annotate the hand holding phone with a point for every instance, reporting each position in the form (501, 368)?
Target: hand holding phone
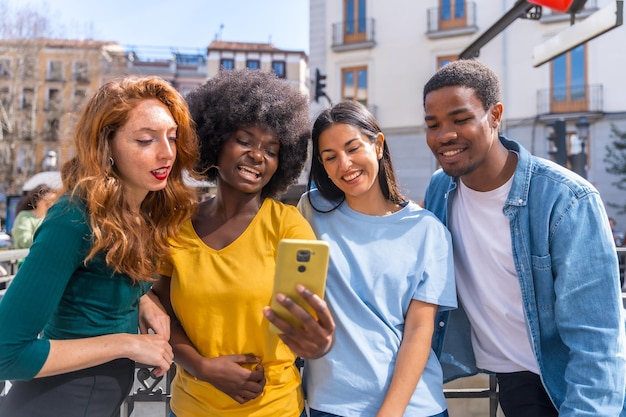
(299, 261)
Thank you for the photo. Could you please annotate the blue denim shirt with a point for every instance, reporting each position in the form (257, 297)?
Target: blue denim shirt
(568, 272)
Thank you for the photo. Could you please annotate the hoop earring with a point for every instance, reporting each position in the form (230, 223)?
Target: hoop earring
(111, 161)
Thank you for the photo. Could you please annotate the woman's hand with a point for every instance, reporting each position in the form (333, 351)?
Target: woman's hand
(315, 338)
(152, 315)
(152, 350)
(231, 375)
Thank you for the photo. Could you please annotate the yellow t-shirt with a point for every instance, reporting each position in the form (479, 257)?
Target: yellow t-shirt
(218, 296)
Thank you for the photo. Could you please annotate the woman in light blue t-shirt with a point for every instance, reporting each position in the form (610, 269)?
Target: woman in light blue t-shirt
(390, 271)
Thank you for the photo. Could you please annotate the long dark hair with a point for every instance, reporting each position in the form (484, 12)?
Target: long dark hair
(30, 200)
(355, 114)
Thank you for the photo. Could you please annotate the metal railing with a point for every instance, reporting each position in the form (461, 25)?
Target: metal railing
(570, 99)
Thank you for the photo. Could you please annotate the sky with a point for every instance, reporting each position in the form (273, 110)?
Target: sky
(180, 23)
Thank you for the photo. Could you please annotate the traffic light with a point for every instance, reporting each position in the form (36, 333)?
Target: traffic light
(558, 148)
(320, 85)
(569, 6)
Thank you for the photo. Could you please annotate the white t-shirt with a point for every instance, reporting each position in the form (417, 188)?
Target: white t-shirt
(487, 283)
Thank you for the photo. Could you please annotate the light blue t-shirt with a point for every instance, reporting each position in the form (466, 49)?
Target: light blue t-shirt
(378, 264)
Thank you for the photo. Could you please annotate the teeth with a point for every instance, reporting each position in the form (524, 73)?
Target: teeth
(451, 153)
(160, 171)
(351, 177)
(250, 170)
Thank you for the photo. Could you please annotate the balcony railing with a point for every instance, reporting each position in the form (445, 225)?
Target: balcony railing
(440, 26)
(570, 99)
(353, 34)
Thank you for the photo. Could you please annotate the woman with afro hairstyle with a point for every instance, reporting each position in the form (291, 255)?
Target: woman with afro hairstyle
(70, 317)
(253, 130)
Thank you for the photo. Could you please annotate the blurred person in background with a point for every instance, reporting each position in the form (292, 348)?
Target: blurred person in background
(29, 213)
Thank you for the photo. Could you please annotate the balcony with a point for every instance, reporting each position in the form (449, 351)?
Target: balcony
(353, 34)
(570, 99)
(440, 25)
(81, 77)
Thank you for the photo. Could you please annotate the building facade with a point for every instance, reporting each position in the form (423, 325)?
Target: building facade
(292, 66)
(383, 52)
(43, 84)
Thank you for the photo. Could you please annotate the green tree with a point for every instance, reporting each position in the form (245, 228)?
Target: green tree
(615, 160)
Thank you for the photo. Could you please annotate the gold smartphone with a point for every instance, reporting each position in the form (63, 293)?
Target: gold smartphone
(299, 261)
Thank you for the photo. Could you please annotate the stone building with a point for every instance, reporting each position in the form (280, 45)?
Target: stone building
(43, 83)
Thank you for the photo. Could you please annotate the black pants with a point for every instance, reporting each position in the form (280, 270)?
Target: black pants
(522, 394)
(95, 392)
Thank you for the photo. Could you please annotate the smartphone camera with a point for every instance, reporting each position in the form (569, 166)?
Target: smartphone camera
(303, 255)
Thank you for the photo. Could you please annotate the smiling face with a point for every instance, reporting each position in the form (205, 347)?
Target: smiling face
(248, 160)
(144, 149)
(462, 135)
(351, 161)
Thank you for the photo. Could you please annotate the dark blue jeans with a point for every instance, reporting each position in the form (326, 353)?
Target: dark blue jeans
(96, 392)
(315, 413)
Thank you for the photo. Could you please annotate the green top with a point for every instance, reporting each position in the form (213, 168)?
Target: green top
(54, 293)
(24, 226)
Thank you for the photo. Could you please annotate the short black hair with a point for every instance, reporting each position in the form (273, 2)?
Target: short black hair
(471, 74)
(236, 99)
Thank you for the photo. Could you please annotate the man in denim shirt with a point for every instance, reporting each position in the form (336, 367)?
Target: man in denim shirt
(536, 267)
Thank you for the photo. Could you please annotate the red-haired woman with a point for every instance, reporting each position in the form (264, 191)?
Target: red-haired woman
(84, 284)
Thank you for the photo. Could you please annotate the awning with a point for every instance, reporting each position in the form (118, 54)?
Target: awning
(49, 178)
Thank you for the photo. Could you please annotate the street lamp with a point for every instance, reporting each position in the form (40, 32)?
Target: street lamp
(49, 162)
(582, 129)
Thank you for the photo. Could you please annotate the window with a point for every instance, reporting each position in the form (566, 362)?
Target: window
(26, 128)
(81, 71)
(53, 99)
(51, 129)
(443, 60)
(5, 97)
(28, 97)
(25, 161)
(569, 89)
(80, 95)
(452, 14)
(254, 64)
(354, 84)
(190, 59)
(227, 63)
(279, 69)
(355, 21)
(28, 67)
(5, 67)
(55, 70)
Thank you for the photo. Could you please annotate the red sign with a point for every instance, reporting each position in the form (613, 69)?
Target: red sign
(560, 5)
